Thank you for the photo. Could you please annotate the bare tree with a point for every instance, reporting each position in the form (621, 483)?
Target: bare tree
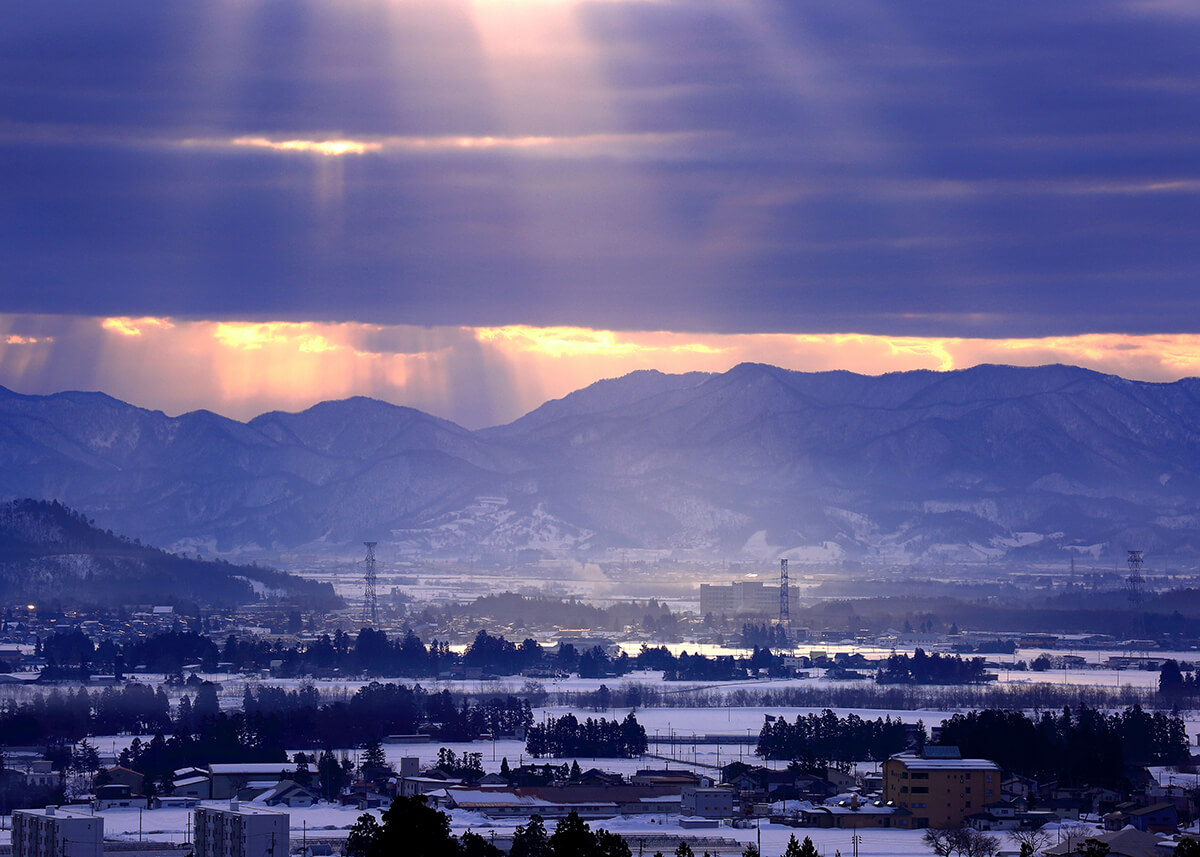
(1073, 834)
(979, 844)
(939, 840)
(1032, 841)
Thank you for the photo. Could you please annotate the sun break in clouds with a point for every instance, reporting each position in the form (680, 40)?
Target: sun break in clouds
(477, 376)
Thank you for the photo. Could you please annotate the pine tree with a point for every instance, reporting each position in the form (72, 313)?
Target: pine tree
(530, 840)
(373, 755)
(330, 775)
(362, 836)
(302, 775)
(572, 838)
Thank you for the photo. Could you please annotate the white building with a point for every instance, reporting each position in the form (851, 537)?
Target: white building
(52, 832)
(241, 832)
(744, 596)
(716, 802)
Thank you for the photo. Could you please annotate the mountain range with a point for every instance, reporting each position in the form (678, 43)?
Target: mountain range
(989, 463)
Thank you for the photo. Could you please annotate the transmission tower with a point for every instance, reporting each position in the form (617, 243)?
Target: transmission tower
(785, 619)
(370, 612)
(1135, 583)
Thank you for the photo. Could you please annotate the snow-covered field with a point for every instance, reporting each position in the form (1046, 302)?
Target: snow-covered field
(325, 821)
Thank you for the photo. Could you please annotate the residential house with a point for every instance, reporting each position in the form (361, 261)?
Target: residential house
(1121, 843)
(1157, 818)
(229, 779)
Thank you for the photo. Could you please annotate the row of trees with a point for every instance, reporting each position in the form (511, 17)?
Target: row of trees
(1080, 746)
(565, 736)
(922, 668)
(818, 741)
(271, 717)
(71, 715)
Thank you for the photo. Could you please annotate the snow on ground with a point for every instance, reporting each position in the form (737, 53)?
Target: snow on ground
(328, 821)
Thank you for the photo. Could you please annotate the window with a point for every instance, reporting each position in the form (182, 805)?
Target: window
(968, 789)
(903, 790)
(918, 806)
(920, 790)
(920, 776)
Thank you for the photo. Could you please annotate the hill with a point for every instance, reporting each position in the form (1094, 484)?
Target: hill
(52, 554)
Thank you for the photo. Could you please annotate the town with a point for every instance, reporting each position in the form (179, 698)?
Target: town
(260, 733)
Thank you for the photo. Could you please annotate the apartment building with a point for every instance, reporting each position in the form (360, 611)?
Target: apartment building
(53, 832)
(241, 832)
(939, 787)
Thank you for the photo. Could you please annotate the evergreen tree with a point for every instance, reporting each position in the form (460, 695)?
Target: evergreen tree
(362, 837)
(302, 776)
(474, 845)
(530, 840)
(572, 838)
(611, 845)
(373, 755)
(414, 829)
(685, 850)
(330, 776)
(183, 719)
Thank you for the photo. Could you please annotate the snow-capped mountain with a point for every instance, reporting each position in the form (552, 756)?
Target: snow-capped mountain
(989, 462)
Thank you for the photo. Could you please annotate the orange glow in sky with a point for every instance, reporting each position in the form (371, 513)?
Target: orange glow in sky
(478, 376)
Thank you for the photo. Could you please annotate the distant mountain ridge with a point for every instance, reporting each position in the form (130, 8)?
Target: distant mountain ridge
(50, 553)
(991, 462)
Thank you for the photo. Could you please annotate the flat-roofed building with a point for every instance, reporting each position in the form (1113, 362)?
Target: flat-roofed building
(713, 802)
(53, 832)
(743, 597)
(241, 831)
(938, 787)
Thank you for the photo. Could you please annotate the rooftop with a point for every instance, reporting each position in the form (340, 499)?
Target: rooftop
(916, 763)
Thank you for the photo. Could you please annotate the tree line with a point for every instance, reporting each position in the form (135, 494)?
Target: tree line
(566, 736)
(1080, 746)
(922, 668)
(818, 741)
(270, 719)
(71, 655)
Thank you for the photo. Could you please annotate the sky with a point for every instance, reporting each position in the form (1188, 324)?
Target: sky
(470, 206)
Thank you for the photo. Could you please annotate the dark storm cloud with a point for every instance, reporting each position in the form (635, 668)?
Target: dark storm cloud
(937, 168)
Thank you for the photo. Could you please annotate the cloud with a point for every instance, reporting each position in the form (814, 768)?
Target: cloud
(479, 376)
(931, 171)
